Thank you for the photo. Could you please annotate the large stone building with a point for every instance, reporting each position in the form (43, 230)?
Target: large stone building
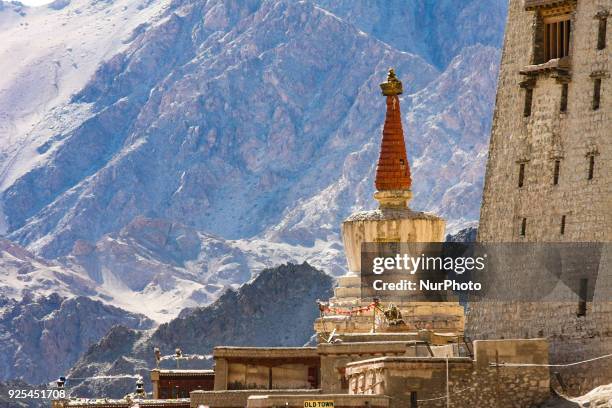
(549, 176)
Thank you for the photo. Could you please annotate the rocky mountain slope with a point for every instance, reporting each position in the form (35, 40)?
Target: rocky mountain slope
(156, 267)
(216, 148)
(159, 267)
(23, 273)
(41, 337)
(437, 30)
(167, 108)
(47, 54)
(7, 402)
(276, 309)
(221, 137)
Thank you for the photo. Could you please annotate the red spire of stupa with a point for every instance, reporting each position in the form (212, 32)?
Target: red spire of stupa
(392, 171)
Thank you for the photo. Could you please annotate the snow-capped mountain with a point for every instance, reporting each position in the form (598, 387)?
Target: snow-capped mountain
(48, 53)
(152, 267)
(158, 267)
(160, 152)
(23, 273)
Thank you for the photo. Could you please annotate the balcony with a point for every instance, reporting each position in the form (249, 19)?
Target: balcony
(558, 68)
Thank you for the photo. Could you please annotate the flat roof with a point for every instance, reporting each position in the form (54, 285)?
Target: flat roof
(382, 360)
(183, 373)
(265, 352)
(369, 347)
(106, 402)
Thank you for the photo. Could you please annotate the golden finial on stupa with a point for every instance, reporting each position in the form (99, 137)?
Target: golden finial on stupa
(393, 86)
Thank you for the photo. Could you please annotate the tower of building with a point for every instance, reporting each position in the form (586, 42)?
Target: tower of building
(392, 221)
(549, 174)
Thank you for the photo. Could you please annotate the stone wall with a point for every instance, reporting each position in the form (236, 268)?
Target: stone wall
(441, 317)
(319, 401)
(335, 357)
(266, 368)
(236, 398)
(537, 141)
(471, 383)
(547, 135)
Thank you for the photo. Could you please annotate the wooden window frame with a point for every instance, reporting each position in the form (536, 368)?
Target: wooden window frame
(557, 36)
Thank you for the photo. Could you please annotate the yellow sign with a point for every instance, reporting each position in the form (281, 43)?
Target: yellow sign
(318, 404)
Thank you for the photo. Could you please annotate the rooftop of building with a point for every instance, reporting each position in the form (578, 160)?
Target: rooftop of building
(407, 359)
(534, 4)
(182, 373)
(123, 402)
(264, 352)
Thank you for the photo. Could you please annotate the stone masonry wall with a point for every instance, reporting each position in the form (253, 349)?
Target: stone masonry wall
(471, 383)
(538, 141)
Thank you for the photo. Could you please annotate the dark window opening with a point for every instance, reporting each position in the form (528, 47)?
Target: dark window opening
(596, 93)
(523, 227)
(601, 33)
(557, 38)
(521, 177)
(591, 167)
(528, 102)
(582, 302)
(564, 92)
(313, 377)
(344, 384)
(556, 172)
(562, 230)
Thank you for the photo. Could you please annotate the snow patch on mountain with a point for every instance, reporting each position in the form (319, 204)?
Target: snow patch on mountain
(46, 55)
(196, 143)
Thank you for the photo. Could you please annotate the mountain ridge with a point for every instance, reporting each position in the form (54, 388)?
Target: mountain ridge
(258, 311)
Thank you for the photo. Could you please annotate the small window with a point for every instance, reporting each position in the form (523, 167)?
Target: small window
(562, 229)
(601, 33)
(591, 172)
(557, 32)
(556, 172)
(564, 92)
(582, 301)
(521, 177)
(523, 227)
(528, 102)
(596, 93)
